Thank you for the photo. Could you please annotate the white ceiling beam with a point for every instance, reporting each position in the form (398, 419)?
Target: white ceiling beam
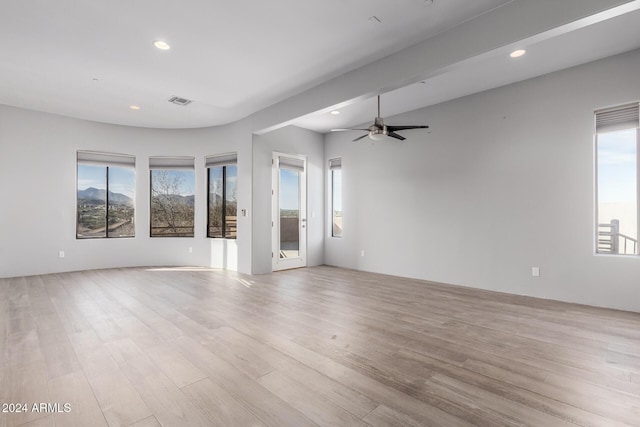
(514, 25)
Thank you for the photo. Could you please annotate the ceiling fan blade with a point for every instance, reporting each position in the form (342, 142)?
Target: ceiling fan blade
(395, 128)
(344, 130)
(360, 137)
(396, 136)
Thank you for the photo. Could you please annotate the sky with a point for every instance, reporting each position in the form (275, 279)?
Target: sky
(617, 166)
(337, 190)
(289, 189)
(122, 180)
(185, 178)
(215, 181)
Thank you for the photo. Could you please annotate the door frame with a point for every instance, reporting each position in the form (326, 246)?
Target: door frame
(278, 263)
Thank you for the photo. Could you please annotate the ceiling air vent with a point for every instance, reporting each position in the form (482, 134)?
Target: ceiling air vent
(179, 101)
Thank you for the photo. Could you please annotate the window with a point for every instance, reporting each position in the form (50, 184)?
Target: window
(617, 180)
(335, 167)
(172, 196)
(222, 178)
(105, 195)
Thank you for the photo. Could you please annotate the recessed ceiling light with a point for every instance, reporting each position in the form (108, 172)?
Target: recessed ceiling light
(134, 107)
(335, 112)
(162, 45)
(518, 53)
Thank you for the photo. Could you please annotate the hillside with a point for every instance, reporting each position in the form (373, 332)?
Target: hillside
(95, 196)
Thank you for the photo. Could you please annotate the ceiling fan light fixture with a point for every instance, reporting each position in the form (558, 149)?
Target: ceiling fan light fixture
(162, 45)
(378, 134)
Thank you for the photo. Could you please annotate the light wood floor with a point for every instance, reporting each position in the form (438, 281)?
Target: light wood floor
(316, 346)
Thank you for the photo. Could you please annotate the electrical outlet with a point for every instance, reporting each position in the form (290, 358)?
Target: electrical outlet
(61, 254)
(535, 271)
(362, 252)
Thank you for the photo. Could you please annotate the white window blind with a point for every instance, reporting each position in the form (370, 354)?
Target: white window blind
(96, 158)
(618, 118)
(221, 160)
(291, 163)
(335, 164)
(180, 162)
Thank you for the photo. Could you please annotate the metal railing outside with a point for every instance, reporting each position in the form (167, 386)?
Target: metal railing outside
(609, 240)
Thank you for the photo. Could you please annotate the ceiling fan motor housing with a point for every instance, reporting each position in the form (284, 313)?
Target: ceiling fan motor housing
(378, 130)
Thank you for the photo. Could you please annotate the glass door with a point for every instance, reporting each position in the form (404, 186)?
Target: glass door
(289, 220)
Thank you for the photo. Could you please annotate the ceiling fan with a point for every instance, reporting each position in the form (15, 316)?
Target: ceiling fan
(378, 130)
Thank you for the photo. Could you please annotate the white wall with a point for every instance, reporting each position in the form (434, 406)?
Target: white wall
(503, 181)
(38, 186)
(290, 140)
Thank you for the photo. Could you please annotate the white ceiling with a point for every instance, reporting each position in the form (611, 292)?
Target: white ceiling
(598, 40)
(92, 59)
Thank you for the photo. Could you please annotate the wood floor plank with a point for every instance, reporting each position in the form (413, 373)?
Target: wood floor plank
(403, 403)
(315, 346)
(490, 408)
(139, 332)
(107, 330)
(175, 366)
(27, 385)
(269, 408)
(221, 408)
(4, 343)
(591, 403)
(385, 416)
(348, 399)
(118, 399)
(47, 421)
(124, 350)
(239, 353)
(147, 422)
(315, 406)
(74, 389)
(170, 406)
(507, 389)
(23, 348)
(59, 355)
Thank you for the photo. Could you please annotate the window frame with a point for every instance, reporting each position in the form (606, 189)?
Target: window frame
(610, 120)
(334, 165)
(221, 161)
(105, 160)
(170, 163)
